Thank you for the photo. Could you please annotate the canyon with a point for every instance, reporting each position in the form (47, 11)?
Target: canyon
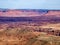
(29, 27)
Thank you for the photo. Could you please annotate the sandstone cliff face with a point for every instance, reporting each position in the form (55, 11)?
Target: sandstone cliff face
(31, 15)
(18, 13)
(28, 13)
(53, 13)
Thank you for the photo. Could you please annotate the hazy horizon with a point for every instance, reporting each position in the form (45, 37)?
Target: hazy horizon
(30, 4)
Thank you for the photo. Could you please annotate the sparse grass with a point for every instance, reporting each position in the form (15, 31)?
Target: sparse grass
(26, 35)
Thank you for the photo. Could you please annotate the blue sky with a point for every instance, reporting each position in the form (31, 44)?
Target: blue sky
(30, 4)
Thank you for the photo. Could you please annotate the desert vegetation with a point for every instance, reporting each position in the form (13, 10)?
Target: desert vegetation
(18, 33)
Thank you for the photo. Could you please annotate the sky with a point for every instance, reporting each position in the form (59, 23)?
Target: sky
(30, 4)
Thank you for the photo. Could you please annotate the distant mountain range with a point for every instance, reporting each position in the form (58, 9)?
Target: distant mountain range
(27, 12)
(29, 15)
